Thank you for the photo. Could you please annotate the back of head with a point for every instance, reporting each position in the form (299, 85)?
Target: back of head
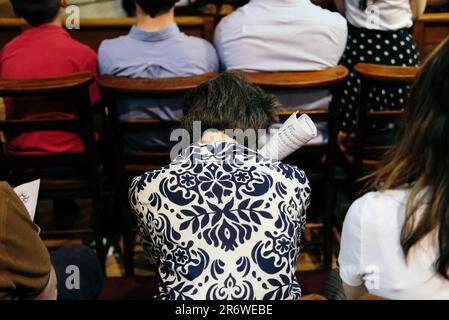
(37, 12)
(420, 161)
(228, 102)
(154, 8)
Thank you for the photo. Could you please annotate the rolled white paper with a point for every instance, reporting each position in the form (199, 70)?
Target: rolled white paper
(294, 134)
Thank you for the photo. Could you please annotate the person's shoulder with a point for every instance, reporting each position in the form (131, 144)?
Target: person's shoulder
(113, 46)
(232, 19)
(14, 43)
(110, 51)
(196, 43)
(200, 50)
(147, 182)
(376, 204)
(114, 42)
(286, 172)
(330, 18)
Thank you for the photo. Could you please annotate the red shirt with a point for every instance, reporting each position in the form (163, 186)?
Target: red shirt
(43, 52)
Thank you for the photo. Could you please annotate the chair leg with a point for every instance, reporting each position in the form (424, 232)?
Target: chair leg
(128, 252)
(98, 227)
(328, 219)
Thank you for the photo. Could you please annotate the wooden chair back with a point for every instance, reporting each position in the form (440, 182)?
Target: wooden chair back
(74, 88)
(115, 87)
(430, 30)
(372, 76)
(128, 165)
(296, 82)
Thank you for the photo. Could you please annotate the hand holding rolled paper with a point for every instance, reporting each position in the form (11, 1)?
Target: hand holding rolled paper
(296, 132)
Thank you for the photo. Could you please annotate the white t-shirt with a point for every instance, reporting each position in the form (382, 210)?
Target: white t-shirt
(371, 253)
(383, 15)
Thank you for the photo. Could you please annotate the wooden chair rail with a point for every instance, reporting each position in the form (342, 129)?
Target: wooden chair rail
(25, 87)
(434, 17)
(429, 31)
(158, 86)
(316, 114)
(390, 74)
(148, 125)
(24, 161)
(297, 80)
(382, 117)
(39, 125)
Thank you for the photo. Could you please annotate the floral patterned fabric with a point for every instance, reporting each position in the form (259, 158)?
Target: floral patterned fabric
(222, 222)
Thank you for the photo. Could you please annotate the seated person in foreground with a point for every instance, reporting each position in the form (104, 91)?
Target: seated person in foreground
(155, 48)
(395, 242)
(27, 271)
(284, 35)
(222, 222)
(44, 50)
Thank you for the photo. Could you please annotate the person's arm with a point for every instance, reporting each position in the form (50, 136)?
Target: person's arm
(418, 7)
(24, 256)
(350, 258)
(341, 6)
(50, 292)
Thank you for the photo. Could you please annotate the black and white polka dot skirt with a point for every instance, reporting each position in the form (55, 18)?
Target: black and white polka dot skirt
(378, 47)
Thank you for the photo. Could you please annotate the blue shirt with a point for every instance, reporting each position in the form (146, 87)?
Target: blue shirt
(165, 53)
(223, 223)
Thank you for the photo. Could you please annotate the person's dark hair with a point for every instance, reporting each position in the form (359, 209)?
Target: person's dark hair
(228, 102)
(154, 8)
(420, 160)
(37, 12)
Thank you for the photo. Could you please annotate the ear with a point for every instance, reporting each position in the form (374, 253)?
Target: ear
(64, 3)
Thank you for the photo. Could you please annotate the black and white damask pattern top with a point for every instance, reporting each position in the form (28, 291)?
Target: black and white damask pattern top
(222, 222)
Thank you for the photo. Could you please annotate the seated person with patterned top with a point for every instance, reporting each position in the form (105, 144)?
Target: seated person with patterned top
(221, 221)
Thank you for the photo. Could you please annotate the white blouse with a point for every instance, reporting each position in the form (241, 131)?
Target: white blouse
(371, 253)
(385, 15)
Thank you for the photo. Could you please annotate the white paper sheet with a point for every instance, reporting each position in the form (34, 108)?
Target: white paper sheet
(294, 134)
(29, 193)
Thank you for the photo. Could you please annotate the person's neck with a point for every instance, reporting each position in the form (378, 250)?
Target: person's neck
(56, 22)
(210, 137)
(147, 23)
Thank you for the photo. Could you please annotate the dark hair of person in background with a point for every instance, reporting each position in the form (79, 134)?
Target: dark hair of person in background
(228, 102)
(130, 7)
(420, 160)
(35, 12)
(154, 8)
